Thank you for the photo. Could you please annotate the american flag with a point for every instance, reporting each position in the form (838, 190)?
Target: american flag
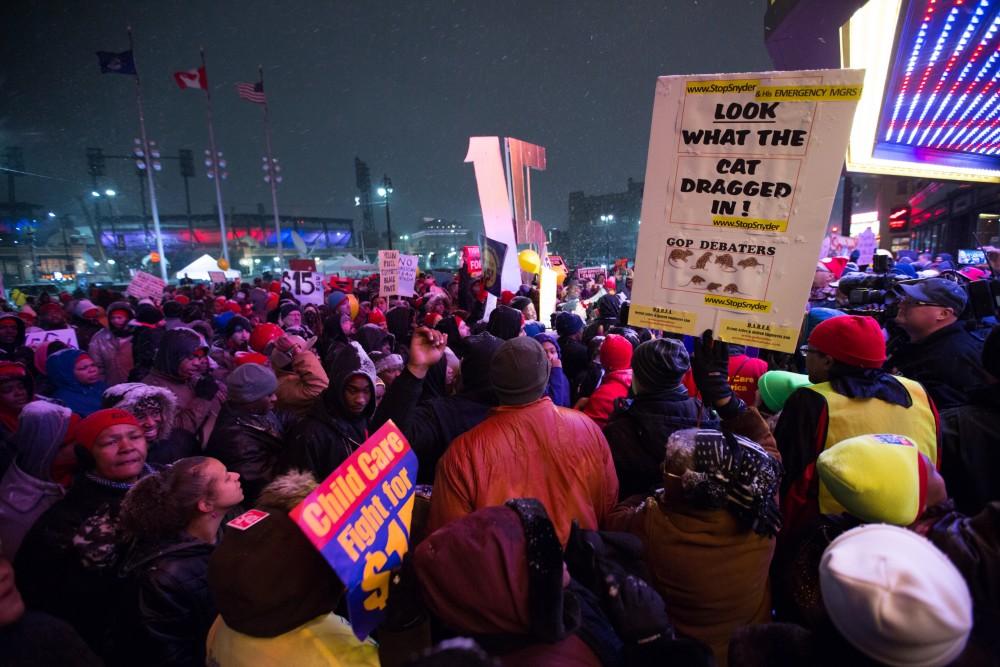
(252, 92)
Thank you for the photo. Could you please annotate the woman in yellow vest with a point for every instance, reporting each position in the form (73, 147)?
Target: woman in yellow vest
(851, 396)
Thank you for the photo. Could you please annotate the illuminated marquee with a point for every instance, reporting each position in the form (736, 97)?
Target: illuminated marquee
(931, 102)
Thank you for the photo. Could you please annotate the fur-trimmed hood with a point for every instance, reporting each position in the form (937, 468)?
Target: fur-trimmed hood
(128, 394)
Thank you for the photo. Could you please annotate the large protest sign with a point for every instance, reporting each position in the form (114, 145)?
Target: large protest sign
(588, 272)
(359, 519)
(388, 272)
(146, 286)
(407, 273)
(305, 286)
(740, 178)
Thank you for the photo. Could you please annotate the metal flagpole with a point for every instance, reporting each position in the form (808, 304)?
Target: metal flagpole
(271, 170)
(149, 164)
(215, 163)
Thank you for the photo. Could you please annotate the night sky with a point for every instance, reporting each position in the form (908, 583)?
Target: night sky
(400, 84)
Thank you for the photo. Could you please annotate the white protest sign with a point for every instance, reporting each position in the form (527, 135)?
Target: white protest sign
(407, 274)
(35, 338)
(866, 247)
(388, 269)
(144, 285)
(588, 272)
(217, 276)
(740, 178)
(305, 286)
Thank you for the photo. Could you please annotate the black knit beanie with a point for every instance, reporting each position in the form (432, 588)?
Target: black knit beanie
(659, 364)
(519, 371)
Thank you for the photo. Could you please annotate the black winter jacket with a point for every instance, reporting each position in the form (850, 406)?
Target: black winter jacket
(946, 363)
(970, 450)
(67, 565)
(167, 608)
(249, 445)
(430, 426)
(329, 433)
(637, 435)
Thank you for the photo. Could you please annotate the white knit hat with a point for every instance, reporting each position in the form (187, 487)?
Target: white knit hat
(895, 597)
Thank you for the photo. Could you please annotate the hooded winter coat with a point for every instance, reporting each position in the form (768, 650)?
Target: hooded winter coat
(171, 443)
(372, 338)
(27, 489)
(16, 351)
(195, 415)
(711, 570)
(167, 608)
(536, 450)
(111, 349)
(430, 426)
(80, 398)
(637, 434)
(67, 564)
(614, 385)
(328, 433)
(558, 387)
(513, 602)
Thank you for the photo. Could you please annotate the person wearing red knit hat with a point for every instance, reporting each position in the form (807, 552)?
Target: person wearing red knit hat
(68, 562)
(616, 358)
(850, 396)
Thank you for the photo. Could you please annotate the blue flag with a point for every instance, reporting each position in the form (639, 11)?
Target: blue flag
(116, 63)
(495, 252)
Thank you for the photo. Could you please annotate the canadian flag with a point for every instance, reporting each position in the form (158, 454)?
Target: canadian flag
(192, 78)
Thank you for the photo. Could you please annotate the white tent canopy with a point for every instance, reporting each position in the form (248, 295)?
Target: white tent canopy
(345, 264)
(199, 268)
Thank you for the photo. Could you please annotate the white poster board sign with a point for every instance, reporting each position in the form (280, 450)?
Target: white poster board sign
(388, 271)
(217, 277)
(866, 247)
(407, 274)
(740, 178)
(35, 338)
(305, 286)
(144, 285)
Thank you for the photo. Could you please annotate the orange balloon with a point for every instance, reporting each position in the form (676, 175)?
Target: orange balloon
(154, 257)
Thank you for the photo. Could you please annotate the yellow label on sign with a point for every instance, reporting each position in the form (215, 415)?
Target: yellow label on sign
(737, 303)
(769, 336)
(722, 86)
(749, 224)
(663, 319)
(834, 93)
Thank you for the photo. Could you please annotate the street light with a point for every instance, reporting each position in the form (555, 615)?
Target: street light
(95, 193)
(607, 220)
(110, 193)
(385, 191)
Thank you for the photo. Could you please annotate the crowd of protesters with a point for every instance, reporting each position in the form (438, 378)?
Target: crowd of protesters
(592, 492)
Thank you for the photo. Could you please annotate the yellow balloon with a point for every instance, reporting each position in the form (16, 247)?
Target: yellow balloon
(355, 306)
(529, 261)
(223, 264)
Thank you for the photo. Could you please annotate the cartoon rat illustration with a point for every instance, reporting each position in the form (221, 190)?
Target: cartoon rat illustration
(713, 287)
(695, 280)
(726, 262)
(749, 263)
(679, 255)
(703, 261)
(733, 288)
